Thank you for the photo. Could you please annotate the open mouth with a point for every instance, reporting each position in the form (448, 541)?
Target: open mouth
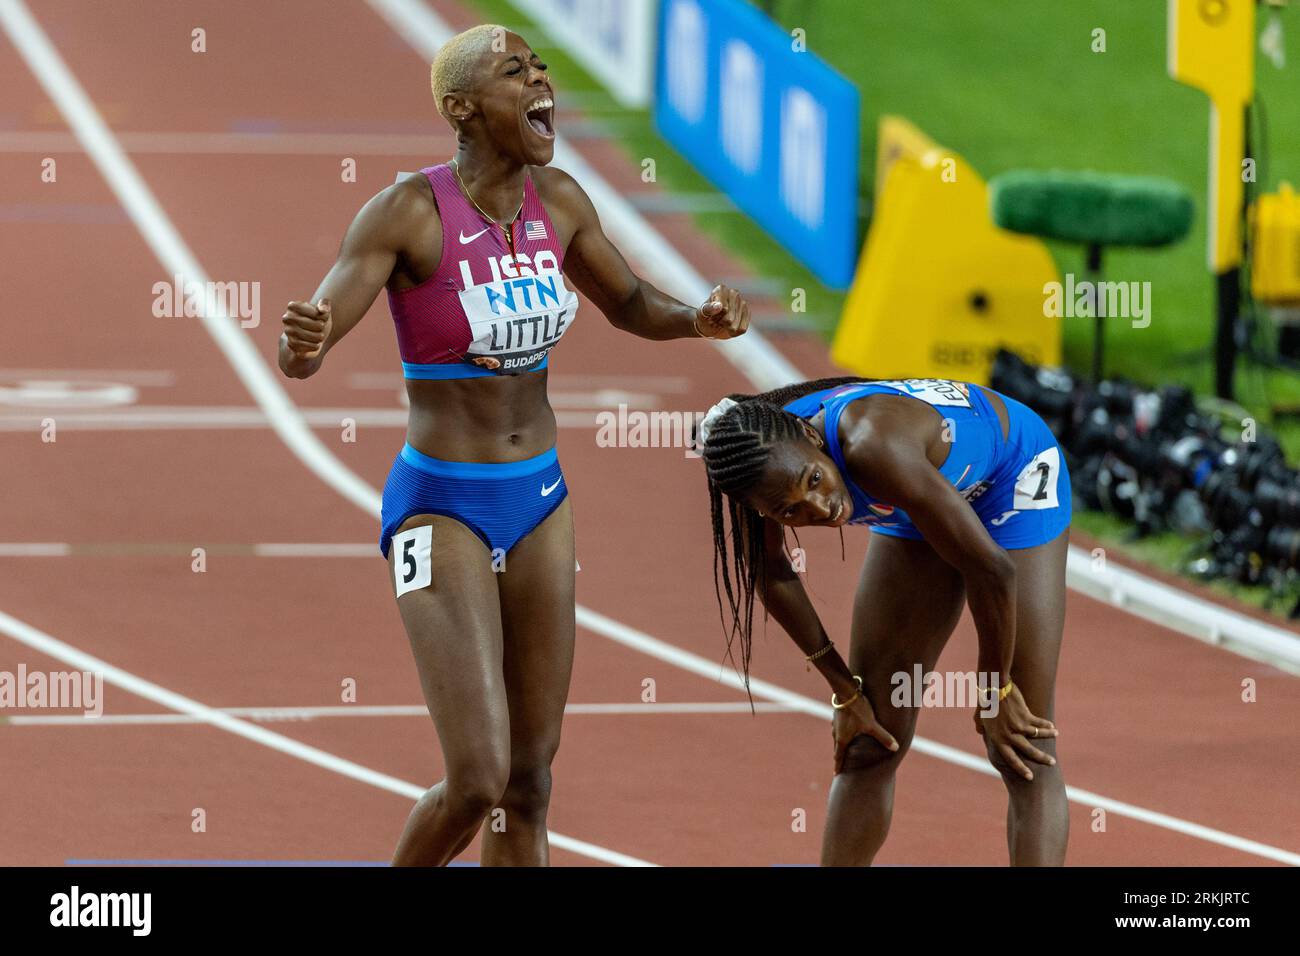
(540, 117)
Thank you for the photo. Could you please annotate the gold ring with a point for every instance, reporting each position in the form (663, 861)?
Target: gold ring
(1035, 733)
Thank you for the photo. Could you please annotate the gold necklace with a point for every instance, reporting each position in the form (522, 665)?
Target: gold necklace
(506, 230)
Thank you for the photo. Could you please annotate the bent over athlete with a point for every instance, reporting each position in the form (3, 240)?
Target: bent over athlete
(968, 498)
(474, 255)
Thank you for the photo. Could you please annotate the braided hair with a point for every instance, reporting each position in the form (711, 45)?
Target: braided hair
(735, 454)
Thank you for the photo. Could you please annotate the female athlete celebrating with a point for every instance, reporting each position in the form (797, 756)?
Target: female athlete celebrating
(968, 497)
(473, 254)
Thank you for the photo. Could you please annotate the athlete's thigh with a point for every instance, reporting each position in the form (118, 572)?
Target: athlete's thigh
(908, 602)
(536, 589)
(454, 626)
(1040, 621)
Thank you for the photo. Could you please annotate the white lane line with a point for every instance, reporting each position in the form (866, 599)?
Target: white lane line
(188, 417)
(167, 245)
(309, 550)
(695, 664)
(170, 250)
(299, 714)
(153, 378)
(281, 143)
(1156, 601)
(272, 549)
(35, 549)
(52, 647)
(704, 707)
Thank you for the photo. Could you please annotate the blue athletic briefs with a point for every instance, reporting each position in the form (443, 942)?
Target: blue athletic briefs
(499, 502)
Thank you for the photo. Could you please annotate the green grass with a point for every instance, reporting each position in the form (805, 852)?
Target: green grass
(1016, 85)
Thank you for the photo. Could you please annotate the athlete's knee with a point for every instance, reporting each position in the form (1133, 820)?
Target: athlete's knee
(476, 788)
(528, 793)
(867, 753)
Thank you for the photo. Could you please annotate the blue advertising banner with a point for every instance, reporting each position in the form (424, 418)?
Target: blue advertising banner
(773, 127)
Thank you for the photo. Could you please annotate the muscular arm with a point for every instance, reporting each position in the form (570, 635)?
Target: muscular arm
(892, 465)
(784, 597)
(631, 303)
(381, 231)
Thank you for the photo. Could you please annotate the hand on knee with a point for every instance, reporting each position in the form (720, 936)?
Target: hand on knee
(867, 753)
(1012, 772)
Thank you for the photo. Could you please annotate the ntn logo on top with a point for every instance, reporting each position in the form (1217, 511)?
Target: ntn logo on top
(514, 285)
(527, 295)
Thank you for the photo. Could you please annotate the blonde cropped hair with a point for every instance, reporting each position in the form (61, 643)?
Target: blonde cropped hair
(452, 70)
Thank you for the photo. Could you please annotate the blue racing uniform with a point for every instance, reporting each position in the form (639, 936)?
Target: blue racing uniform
(1018, 485)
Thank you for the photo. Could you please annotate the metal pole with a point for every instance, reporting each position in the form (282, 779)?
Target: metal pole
(1098, 310)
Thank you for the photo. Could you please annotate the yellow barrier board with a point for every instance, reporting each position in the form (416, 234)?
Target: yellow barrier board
(939, 288)
(1212, 48)
(1275, 269)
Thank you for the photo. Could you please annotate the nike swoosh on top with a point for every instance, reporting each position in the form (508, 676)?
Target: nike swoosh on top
(546, 491)
(464, 239)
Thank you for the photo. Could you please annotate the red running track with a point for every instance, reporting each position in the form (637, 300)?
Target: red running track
(1150, 718)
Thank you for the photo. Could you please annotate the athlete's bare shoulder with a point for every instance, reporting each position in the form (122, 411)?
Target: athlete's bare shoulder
(402, 219)
(407, 202)
(554, 183)
(883, 426)
(417, 184)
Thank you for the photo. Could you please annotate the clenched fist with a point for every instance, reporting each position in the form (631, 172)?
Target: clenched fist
(724, 315)
(307, 327)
